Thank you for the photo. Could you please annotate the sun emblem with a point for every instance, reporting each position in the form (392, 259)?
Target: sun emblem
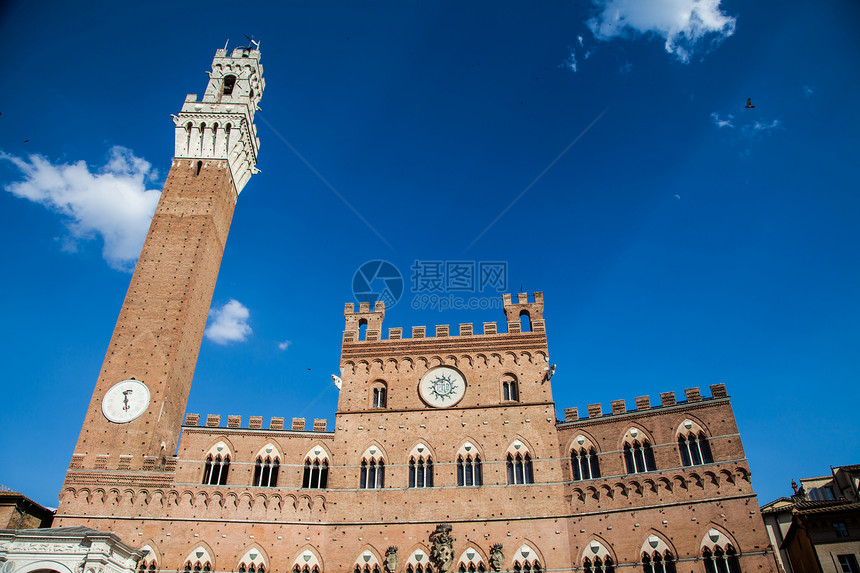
(443, 387)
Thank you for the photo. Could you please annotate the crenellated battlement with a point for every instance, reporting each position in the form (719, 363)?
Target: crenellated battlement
(514, 311)
(254, 423)
(643, 404)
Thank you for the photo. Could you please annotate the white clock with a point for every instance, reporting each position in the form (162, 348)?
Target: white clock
(125, 401)
(442, 387)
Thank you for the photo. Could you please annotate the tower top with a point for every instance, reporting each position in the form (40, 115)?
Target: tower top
(221, 125)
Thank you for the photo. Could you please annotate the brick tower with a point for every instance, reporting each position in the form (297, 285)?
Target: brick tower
(135, 415)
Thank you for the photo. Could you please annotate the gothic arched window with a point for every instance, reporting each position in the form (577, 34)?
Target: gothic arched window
(469, 470)
(266, 472)
(215, 469)
(584, 464)
(519, 469)
(639, 457)
(372, 474)
(420, 472)
(694, 449)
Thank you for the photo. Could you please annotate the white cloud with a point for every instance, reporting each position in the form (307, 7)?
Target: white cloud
(580, 40)
(229, 323)
(722, 122)
(683, 24)
(570, 62)
(285, 344)
(758, 126)
(111, 202)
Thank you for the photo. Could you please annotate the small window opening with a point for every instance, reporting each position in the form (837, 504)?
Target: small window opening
(525, 321)
(229, 84)
(362, 329)
(197, 168)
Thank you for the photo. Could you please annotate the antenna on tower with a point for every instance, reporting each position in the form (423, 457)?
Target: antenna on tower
(226, 44)
(253, 43)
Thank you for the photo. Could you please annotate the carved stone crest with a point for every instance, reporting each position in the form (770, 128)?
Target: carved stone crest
(497, 558)
(391, 559)
(442, 553)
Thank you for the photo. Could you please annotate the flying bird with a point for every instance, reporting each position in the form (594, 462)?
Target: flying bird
(749, 103)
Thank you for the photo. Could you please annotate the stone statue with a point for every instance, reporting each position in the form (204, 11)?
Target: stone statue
(442, 553)
(497, 558)
(391, 559)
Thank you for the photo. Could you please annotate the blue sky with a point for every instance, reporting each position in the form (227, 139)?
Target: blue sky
(681, 240)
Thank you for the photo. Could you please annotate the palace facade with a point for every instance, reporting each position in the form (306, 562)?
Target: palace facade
(446, 452)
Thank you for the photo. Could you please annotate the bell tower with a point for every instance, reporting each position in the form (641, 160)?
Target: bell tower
(134, 418)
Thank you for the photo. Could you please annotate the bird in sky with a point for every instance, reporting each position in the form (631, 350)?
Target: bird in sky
(749, 103)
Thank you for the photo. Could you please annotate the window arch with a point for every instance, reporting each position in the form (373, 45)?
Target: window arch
(719, 553)
(367, 562)
(266, 466)
(527, 560)
(420, 467)
(149, 562)
(419, 562)
(519, 464)
(379, 395)
(525, 321)
(597, 559)
(471, 561)
(469, 469)
(199, 560)
(583, 460)
(638, 455)
(307, 561)
(217, 465)
(510, 388)
(253, 561)
(372, 475)
(315, 473)
(657, 563)
(693, 444)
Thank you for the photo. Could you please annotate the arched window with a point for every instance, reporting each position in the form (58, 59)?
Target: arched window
(721, 561)
(362, 329)
(372, 474)
(598, 565)
(694, 449)
(379, 398)
(657, 563)
(525, 321)
(229, 84)
(584, 464)
(420, 472)
(469, 471)
(639, 457)
(215, 469)
(315, 474)
(510, 389)
(266, 472)
(519, 469)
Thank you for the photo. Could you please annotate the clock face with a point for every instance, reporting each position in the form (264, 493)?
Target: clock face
(442, 387)
(125, 401)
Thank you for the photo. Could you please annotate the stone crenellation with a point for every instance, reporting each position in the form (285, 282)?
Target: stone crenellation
(320, 425)
(643, 403)
(372, 319)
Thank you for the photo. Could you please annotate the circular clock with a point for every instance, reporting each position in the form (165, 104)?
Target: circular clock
(442, 387)
(125, 401)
